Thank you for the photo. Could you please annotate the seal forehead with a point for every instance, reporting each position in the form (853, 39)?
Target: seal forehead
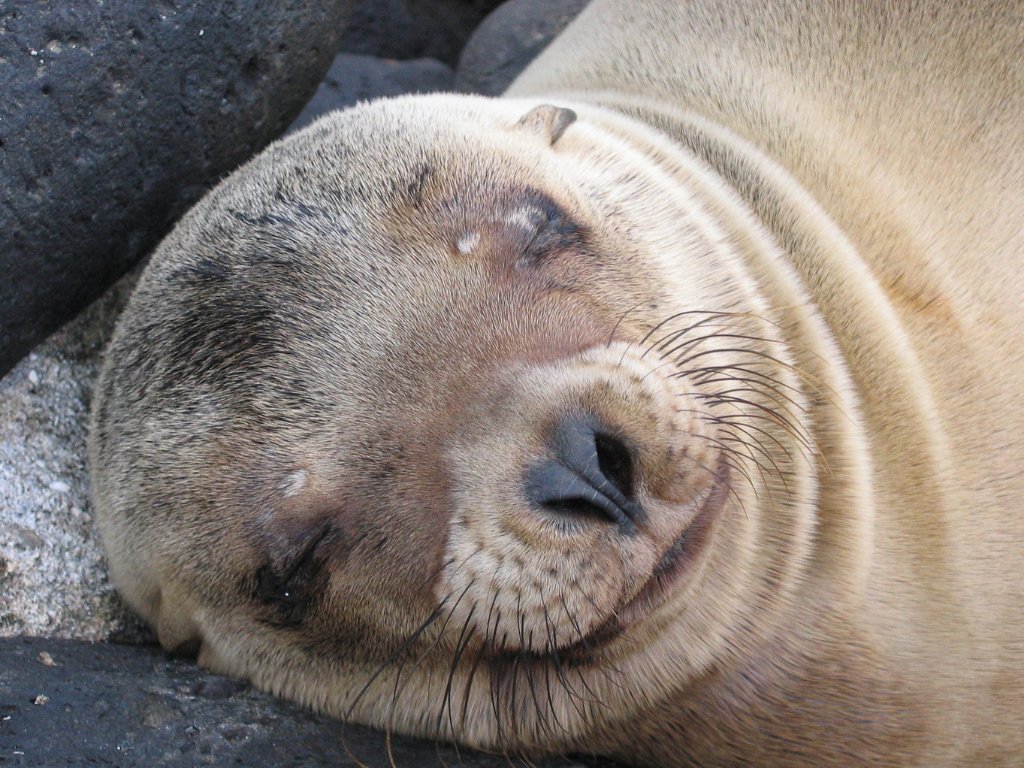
(358, 170)
(384, 150)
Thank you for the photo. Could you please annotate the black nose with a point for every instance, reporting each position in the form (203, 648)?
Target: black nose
(591, 472)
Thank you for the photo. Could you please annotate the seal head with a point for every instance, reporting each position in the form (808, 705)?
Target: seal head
(458, 417)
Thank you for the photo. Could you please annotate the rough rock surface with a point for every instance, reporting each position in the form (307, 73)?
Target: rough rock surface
(52, 574)
(116, 116)
(355, 77)
(66, 703)
(413, 29)
(508, 40)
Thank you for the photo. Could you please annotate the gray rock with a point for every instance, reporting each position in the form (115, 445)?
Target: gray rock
(354, 77)
(509, 39)
(52, 574)
(116, 116)
(413, 29)
(66, 703)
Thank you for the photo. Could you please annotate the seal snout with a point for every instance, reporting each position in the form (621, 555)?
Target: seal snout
(589, 474)
(580, 487)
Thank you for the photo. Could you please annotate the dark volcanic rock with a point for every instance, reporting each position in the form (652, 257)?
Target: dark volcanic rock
(116, 116)
(354, 77)
(69, 703)
(508, 40)
(413, 29)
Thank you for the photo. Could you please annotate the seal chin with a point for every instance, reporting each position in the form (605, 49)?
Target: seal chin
(586, 510)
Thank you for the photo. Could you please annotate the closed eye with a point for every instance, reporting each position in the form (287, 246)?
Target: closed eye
(551, 228)
(288, 588)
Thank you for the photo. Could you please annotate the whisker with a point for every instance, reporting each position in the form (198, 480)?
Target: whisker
(771, 395)
(460, 647)
(615, 328)
(706, 375)
(402, 648)
(433, 646)
(668, 339)
(721, 481)
(552, 644)
(770, 413)
(733, 452)
(713, 313)
(729, 436)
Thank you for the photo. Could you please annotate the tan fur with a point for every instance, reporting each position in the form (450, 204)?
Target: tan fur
(779, 253)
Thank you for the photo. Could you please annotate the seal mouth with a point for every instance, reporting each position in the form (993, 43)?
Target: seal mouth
(676, 563)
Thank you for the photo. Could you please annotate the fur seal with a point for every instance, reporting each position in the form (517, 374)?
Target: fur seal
(668, 408)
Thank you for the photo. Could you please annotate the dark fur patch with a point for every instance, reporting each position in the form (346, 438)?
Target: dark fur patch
(290, 588)
(263, 220)
(416, 185)
(208, 269)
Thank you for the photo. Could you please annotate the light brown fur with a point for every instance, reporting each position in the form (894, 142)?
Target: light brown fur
(801, 223)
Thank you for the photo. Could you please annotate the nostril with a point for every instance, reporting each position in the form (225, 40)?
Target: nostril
(615, 462)
(581, 508)
(558, 488)
(590, 473)
(576, 508)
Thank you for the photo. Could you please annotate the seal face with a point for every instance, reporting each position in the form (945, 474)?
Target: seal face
(436, 454)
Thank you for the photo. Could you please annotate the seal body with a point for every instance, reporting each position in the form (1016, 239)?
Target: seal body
(668, 408)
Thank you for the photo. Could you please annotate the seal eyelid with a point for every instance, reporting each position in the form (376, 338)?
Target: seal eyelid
(551, 229)
(289, 587)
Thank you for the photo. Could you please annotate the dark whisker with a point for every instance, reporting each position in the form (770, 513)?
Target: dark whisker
(729, 436)
(552, 645)
(705, 374)
(714, 314)
(460, 647)
(771, 395)
(722, 446)
(528, 671)
(583, 641)
(733, 421)
(615, 328)
(721, 481)
(685, 361)
(403, 648)
(397, 692)
(668, 339)
(770, 413)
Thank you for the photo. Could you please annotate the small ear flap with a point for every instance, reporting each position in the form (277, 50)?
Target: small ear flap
(547, 121)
